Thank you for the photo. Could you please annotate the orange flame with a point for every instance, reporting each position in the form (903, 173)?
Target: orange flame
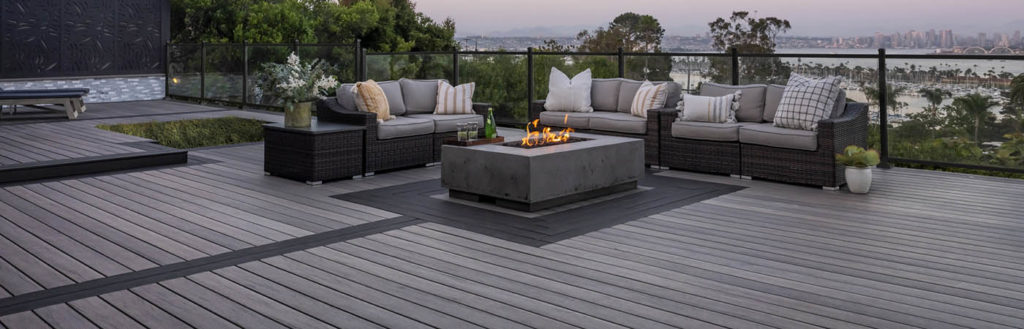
(545, 136)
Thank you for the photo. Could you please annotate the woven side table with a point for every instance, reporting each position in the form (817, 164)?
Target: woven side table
(324, 151)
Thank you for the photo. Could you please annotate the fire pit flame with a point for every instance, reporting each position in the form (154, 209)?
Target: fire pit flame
(545, 136)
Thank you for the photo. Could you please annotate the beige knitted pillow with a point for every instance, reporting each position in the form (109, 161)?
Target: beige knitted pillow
(649, 96)
(370, 98)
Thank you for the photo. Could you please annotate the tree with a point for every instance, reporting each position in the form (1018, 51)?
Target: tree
(749, 35)
(1014, 109)
(935, 96)
(975, 106)
(633, 33)
(872, 93)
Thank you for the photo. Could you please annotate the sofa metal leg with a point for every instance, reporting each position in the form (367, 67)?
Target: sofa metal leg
(314, 183)
(830, 188)
(433, 164)
(747, 177)
(735, 176)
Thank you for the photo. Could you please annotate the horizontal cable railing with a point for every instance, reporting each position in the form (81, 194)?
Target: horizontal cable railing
(907, 126)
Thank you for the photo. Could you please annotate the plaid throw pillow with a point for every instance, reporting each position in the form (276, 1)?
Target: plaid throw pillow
(805, 101)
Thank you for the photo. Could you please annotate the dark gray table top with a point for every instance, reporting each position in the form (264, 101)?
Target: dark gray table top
(315, 128)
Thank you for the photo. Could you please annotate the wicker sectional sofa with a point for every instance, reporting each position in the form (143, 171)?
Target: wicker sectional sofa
(753, 147)
(414, 137)
(611, 100)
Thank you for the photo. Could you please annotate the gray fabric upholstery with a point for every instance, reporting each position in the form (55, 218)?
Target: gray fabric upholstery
(604, 94)
(751, 101)
(772, 97)
(768, 135)
(404, 126)
(444, 123)
(420, 95)
(346, 98)
(628, 88)
(393, 92)
(840, 105)
(708, 131)
(618, 122)
(578, 120)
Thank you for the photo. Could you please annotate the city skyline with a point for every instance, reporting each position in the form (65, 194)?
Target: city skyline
(538, 18)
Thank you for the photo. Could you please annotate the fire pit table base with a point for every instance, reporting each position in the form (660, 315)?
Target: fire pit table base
(532, 179)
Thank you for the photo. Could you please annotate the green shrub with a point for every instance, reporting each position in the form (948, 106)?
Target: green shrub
(187, 134)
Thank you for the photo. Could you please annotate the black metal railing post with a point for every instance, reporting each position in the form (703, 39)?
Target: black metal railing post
(735, 65)
(529, 82)
(622, 64)
(362, 64)
(295, 46)
(455, 67)
(202, 72)
(167, 70)
(245, 74)
(883, 112)
(357, 61)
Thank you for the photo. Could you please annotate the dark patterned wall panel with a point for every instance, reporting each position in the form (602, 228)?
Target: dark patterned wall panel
(51, 38)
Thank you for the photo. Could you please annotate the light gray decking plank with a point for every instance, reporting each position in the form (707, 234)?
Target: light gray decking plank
(40, 272)
(102, 314)
(220, 305)
(26, 319)
(193, 314)
(261, 304)
(293, 299)
(56, 258)
(14, 281)
(142, 311)
(337, 299)
(62, 316)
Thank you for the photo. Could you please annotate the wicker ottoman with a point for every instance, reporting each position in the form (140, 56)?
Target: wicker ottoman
(324, 151)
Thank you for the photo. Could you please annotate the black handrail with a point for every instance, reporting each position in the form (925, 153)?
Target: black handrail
(360, 68)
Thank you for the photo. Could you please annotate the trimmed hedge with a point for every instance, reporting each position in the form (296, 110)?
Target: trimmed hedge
(185, 134)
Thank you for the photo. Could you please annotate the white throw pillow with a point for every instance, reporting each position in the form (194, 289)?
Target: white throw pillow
(720, 109)
(649, 96)
(565, 95)
(454, 100)
(805, 101)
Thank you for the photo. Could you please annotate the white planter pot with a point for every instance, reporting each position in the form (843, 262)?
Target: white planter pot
(858, 179)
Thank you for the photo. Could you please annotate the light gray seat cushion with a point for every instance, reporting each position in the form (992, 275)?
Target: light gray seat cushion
(404, 126)
(577, 120)
(604, 94)
(444, 123)
(346, 97)
(618, 122)
(420, 96)
(751, 101)
(769, 135)
(772, 98)
(707, 131)
(628, 88)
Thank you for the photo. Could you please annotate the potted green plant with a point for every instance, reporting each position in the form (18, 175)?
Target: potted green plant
(859, 163)
(297, 84)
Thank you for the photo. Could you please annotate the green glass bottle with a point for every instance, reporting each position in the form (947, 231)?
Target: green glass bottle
(490, 130)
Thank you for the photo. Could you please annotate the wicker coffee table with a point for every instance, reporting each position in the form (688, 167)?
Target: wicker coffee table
(324, 151)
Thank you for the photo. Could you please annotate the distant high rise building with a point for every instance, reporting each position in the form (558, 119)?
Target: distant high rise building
(879, 40)
(982, 39)
(1016, 41)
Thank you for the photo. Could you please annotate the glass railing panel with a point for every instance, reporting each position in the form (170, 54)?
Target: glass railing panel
(258, 56)
(184, 70)
(959, 111)
(224, 72)
(383, 67)
(500, 81)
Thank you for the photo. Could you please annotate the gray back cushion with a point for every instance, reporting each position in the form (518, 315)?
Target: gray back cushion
(772, 97)
(628, 88)
(420, 95)
(840, 105)
(604, 94)
(393, 92)
(346, 98)
(751, 101)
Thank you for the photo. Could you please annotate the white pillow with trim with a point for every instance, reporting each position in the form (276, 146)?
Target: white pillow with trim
(569, 95)
(714, 109)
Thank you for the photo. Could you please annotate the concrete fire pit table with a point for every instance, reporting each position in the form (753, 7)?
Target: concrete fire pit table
(532, 179)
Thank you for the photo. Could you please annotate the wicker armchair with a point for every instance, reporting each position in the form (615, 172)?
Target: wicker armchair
(810, 167)
(651, 138)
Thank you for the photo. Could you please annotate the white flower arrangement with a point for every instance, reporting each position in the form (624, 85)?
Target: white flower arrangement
(297, 82)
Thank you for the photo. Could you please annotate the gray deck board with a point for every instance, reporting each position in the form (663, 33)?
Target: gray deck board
(924, 249)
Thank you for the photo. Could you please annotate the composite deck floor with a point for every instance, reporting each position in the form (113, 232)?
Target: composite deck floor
(925, 249)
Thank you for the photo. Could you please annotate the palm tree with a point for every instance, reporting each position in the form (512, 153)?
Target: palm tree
(935, 95)
(1015, 108)
(976, 106)
(872, 93)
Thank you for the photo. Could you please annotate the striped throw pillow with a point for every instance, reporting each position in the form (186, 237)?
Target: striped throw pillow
(721, 109)
(454, 100)
(805, 101)
(649, 96)
(370, 98)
